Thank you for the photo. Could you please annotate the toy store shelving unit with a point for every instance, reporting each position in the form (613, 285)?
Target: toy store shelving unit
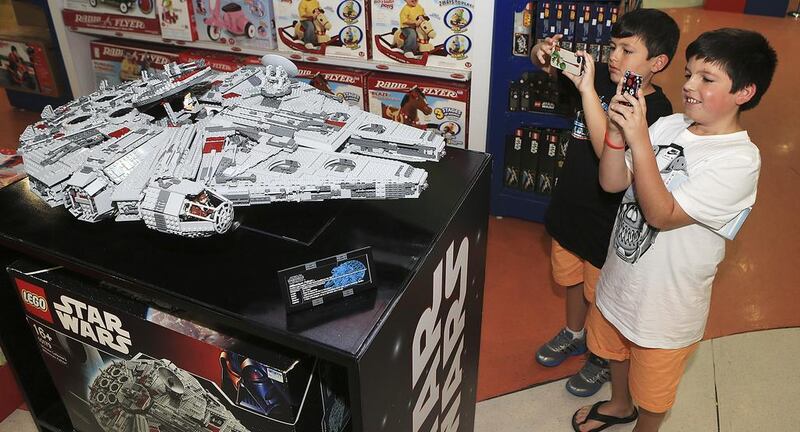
(78, 63)
(229, 283)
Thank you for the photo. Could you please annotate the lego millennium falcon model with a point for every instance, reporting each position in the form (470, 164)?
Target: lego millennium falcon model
(155, 395)
(179, 149)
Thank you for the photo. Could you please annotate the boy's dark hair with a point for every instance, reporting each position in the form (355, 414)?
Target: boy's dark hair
(744, 55)
(657, 30)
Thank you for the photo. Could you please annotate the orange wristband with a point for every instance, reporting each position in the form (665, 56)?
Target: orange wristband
(609, 144)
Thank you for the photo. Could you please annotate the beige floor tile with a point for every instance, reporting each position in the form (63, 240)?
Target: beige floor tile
(695, 408)
(758, 383)
(18, 421)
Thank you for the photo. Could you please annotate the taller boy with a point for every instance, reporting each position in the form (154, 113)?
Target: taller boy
(581, 215)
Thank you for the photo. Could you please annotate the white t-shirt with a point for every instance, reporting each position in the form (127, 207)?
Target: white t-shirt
(655, 286)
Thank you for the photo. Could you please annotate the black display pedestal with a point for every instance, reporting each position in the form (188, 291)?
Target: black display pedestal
(410, 347)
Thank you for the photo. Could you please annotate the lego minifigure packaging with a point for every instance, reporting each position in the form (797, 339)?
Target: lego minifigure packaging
(25, 66)
(236, 24)
(177, 19)
(422, 103)
(325, 27)
(349, 85)
(116, 63)
(424, 32)
(120, 364)
(134, 16)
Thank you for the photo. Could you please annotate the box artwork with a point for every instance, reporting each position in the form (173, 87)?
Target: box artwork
(425, 104)
(177, 19)
(349, 85)
(236, 24)
(136, 16)
(131, 367)
(118, 63)
(25, 66)
(11, 170)
(218, 61)
(327, 27)
(424, 32)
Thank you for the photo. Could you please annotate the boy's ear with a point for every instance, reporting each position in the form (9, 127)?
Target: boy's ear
(658, 63)
(745, 94)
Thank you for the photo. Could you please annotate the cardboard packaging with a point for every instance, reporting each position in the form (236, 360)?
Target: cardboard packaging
(325, 27)
(177, 19)
(116, 63)
(26, 65)
(349, 85)
(236, 24)
(123, 16)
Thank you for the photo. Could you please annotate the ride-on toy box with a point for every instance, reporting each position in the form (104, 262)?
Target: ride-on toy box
(177, 19)
(116, 63)
(325, 27)
(25, 66)
(423, 103)
(236, 24)
(424, 32)
(124, 16)
(349, 85)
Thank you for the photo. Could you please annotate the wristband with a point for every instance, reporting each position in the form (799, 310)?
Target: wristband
(609, 144)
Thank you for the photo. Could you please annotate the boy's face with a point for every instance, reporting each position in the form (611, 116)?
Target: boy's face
(412, 3)
(631, 54)
(707, 93)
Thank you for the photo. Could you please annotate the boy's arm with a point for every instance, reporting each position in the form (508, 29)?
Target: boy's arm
(614, 173)
(660, 208)
(540, 53)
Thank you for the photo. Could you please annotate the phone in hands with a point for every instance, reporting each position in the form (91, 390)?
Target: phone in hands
(567, 61)
(631, 83)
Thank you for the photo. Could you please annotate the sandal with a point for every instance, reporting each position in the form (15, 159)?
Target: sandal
(607, 419)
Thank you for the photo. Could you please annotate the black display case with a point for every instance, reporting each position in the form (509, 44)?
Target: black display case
(409, 347)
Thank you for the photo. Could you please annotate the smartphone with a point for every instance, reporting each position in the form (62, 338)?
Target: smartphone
(567, 61)
(631, 83)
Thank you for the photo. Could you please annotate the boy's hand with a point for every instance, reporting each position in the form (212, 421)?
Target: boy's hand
(630, 115)
(540, 53)
(585, 81)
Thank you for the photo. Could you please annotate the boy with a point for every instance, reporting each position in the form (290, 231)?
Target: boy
(581, 215)
(408, 26)
(685, 179)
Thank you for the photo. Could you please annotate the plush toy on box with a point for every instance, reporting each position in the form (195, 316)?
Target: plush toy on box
(135, 16)
(236, 24)
(349, 85)
(25, 66)
(329, 27)
(422, 103)
(423, 32)
(177, 19)
(117, 63)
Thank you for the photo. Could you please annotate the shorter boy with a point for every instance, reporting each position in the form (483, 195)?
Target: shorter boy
(685, 179)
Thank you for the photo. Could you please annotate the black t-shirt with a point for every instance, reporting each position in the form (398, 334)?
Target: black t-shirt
(581, 215)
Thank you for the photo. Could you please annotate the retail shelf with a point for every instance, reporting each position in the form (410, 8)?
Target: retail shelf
(432, 72)
(519, 204)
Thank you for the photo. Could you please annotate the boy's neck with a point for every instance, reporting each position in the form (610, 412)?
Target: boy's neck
(724, 126)
(647, 85)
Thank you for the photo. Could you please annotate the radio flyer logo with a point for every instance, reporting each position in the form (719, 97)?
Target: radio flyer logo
(351, 37)
(35, 300)
(349, 11)
(457, 19)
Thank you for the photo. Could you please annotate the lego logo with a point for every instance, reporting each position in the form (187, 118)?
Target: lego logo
(34, 300)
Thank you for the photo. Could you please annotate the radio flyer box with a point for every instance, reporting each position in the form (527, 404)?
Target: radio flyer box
(218, 61)
(349, 85)
(25, 65)
(425, 104)
(236, 24)
(133, 367)
(177, 19)
(124, 16)
(325, 27)
(424, 32)
(117, 63)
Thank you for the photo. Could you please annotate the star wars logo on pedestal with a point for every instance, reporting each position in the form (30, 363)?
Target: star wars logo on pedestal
(438, 346)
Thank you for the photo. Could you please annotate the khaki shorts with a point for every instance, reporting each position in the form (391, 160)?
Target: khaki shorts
(653, 375)
(570, 270)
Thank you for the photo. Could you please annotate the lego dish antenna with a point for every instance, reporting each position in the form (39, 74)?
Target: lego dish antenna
(286, 64)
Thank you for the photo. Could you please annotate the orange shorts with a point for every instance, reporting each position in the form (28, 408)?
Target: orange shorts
(653, 375)
(570, 270)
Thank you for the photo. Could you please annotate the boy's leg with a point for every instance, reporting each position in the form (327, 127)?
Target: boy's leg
(577, 306)
(649, 421)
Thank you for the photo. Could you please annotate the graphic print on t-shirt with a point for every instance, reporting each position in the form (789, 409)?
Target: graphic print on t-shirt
(633, 236)
(579, 129)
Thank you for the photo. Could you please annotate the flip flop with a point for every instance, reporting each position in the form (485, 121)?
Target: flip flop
(607, 419)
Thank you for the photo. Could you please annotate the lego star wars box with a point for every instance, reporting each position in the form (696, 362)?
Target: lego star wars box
(236, 24)
(529, 160)
(349, 85)
(424, 32)
(547, 161)
(177, 19)
(131, 367)
(25, 65)
(325, 27)
(123, 16)
(513, 153)
(116, 63)
(425, 104)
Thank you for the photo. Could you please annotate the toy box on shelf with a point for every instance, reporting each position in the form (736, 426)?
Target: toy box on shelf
(218, 61)
(349, 85)
(177, 19)
(124, 16)
(423, 103)
(326, 27)
(25, 65)
(116, 63)
(424, 32)
(236, 24)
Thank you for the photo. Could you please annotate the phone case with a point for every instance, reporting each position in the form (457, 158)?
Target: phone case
(566, 61)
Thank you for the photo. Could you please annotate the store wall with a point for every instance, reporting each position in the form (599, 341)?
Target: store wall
(660, 4)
